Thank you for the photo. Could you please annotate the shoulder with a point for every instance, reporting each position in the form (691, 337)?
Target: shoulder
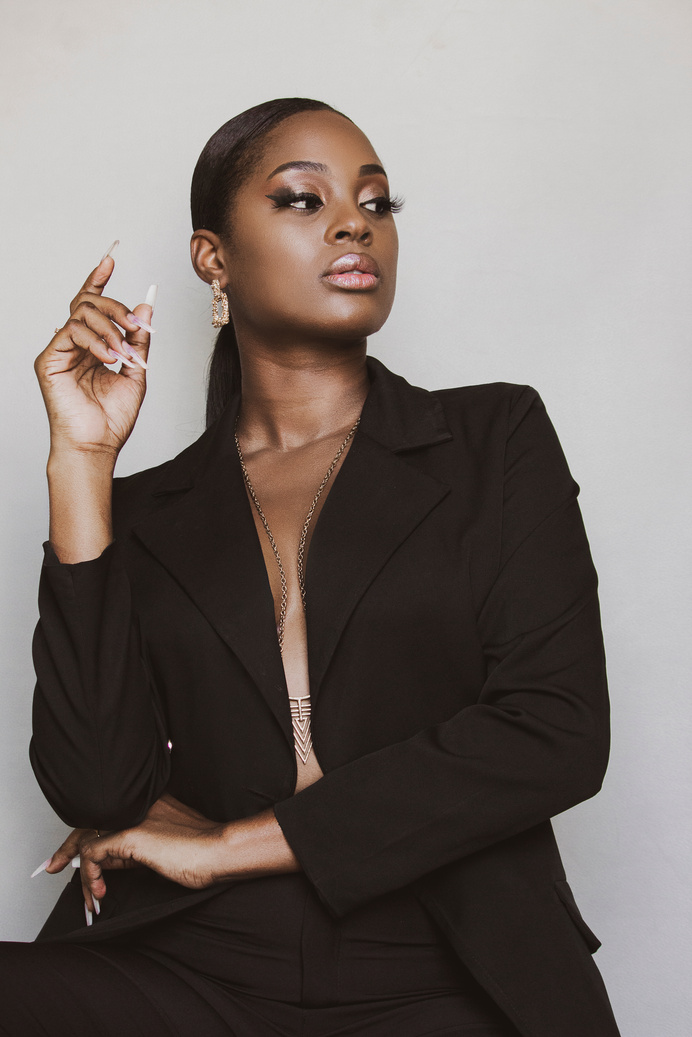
(493, 407)
(508, 423)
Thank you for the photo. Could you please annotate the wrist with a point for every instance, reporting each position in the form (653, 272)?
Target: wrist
(90, 460)
(79, 494)
(256, 846)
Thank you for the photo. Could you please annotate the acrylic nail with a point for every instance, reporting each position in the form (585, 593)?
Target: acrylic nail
(88, 915)
(117, 356)
(109, 251)
(151, 296)
(135, 356)
(76, 861)
(97, 906)
(141, 323)
(41, 867)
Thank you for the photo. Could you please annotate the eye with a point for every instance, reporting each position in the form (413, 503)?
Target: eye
(303, 201)
(383, 204)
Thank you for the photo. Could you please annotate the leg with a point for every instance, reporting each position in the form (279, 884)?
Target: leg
(58, 990)
(445, 1016)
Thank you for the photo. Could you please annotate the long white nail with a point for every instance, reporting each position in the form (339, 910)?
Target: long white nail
(136, 357)
(141, 323)
(110, 250)
(97, 906)
(41, 867)
(76, 861)
(119, 356)
(151, 296)
(88, 915)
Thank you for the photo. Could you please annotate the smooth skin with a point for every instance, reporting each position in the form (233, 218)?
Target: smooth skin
(302, 342)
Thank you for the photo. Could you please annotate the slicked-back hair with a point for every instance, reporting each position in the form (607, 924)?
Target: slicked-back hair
(227, 160)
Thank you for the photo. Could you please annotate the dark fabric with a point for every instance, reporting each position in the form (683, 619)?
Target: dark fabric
(456, 668)
(264, 957)
(50, 990)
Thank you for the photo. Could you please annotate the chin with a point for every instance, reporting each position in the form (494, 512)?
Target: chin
(345, 330)
(356, 317)
(349, 317)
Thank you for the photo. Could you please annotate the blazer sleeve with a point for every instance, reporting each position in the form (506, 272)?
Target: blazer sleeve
(98, 748)
(535, 743)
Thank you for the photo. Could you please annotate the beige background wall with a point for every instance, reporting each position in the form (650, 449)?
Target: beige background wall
(543, 147)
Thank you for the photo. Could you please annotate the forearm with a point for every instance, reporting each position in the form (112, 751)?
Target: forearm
(256, 846)
(80, 487)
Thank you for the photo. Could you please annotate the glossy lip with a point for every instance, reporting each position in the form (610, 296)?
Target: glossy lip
(354, 270)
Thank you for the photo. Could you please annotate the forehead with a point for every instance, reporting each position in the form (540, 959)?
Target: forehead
(323, 137)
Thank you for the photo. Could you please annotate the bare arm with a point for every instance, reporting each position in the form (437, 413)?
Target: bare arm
(91, 410)
(178, 842)
(79, 494)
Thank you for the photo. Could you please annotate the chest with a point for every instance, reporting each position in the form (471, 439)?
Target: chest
(287, 494)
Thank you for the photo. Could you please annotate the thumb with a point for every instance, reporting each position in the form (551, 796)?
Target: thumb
(143, 314)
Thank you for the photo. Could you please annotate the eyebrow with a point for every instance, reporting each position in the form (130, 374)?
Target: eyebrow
(318, 167)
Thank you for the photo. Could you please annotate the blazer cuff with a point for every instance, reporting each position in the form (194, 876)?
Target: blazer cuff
(51, 559)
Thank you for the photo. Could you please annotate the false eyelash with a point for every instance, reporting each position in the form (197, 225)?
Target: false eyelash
(283, 199)
(396, 203)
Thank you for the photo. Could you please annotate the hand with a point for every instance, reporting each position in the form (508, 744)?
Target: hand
(174, 839)
(90, 873)
(91, 408)
(179, 843)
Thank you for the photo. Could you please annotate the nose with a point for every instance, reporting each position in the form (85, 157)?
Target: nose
(349, 224)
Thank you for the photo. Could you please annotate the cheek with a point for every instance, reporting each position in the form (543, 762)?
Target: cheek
(276, 266)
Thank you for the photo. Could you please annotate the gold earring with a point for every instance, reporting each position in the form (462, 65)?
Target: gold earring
(219, 319)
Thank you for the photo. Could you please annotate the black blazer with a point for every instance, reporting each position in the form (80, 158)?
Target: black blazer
(456, 668)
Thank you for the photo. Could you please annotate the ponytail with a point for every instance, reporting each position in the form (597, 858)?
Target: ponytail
(224, 372)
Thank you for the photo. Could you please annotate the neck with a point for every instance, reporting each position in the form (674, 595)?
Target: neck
(292, 397)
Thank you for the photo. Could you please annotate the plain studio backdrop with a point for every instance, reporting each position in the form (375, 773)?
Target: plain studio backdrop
(544, 150)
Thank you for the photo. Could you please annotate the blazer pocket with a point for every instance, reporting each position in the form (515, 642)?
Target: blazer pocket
(566, 895)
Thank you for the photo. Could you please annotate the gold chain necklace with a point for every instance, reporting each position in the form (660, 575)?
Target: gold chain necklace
(300, 706)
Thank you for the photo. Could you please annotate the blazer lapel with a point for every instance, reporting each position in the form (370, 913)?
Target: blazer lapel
(376, 502)
(207, 541)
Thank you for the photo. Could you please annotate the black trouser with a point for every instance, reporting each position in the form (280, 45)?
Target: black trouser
(263, 959)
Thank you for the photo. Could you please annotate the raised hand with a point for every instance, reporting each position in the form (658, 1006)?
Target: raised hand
(92, 411)
(91, 407)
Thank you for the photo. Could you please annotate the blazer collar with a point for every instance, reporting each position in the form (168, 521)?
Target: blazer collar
(206, 537)
(398, 415)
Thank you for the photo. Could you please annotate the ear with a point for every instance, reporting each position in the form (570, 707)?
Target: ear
(207, 254)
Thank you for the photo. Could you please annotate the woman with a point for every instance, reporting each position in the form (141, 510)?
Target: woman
(327, 674)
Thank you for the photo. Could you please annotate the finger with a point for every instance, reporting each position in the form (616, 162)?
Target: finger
(139, 340)
(76, 333)
(65, 852)
(136, 344)
(102, 325)
(101, 852)
(96, 281)
(100, 275)
(113, 852)
(93, 883)
(114, 310)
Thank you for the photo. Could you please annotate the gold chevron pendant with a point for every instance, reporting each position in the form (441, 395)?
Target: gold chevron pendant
(300, 719)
